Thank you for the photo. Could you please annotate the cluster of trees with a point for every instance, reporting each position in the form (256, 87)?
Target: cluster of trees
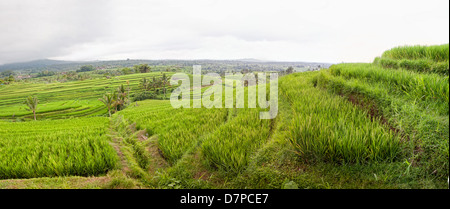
(83, 73)
(7, 80)
(114, 101)
(51, 76)
(7, 73)
(147, 85)
(86, 68)
(290, 70)
(72, 76)
(46, 73)
(117, 100)
(142, 68)
(7, 77)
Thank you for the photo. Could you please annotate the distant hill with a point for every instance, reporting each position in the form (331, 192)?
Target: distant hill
(251, 60)
(35, 64)
(253, 64)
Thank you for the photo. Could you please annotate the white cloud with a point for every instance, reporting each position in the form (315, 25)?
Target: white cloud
(328, 31)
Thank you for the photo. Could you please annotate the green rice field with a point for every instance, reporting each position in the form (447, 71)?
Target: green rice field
(380, 125)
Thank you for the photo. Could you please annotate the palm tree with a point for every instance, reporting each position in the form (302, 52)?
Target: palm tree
(164, 81)
(109, 101)
(128, 91)
(145, 84)
(118, 102)
(121, 98)
(32, 103)
(154, 83)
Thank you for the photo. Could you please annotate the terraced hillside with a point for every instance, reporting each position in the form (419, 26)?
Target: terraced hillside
(64, 100)
(425, 59)
(415, 103)
(362, 125)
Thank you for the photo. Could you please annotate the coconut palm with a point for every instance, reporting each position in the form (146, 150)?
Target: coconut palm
(109, 101)
(32, 103)
(121, 96)
(154, 84)
(164, 81)
(145, 84)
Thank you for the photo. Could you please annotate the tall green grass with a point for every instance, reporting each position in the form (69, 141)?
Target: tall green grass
(437, 53)
(415, 104)
(328, 128)
(230, 146)
(419, 65)
(177, 130)
(417, 86)
(55, 148)
(55, 110)
(423, 59)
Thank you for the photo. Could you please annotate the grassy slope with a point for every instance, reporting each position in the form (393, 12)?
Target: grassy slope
(276, 164)
(55, 148)
(64, 100)
(273, 164)
(424, 59)
(398, 128)
(414, 104)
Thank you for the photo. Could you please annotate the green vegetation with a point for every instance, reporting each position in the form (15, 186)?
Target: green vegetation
(142, 68)
(32, 103)
(177, 129)
(438, 53)
(70, 99)
(424, 59)
(333, 129)
(7, 77)
(230, 146)
(55, 148)
(109, 101)
(86, 68)
(376, 125)
(54, 110)
(416, 105)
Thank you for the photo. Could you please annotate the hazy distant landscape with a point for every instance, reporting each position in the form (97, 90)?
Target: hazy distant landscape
(216, 65)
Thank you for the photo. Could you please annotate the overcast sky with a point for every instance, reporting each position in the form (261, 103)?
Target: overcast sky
(322, 31)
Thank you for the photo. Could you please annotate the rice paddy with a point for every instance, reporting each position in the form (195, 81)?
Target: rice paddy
(336, 128)
(423, 59)
(76, 147)
(333, 129)
(414, 103)
(64, 100)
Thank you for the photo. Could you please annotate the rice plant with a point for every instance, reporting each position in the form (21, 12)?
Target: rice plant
(328, 128)
(413, 103)
(418, 65)
(55, 148)
(437, 53)
(419, 86)
(230, 146)
(177, 130)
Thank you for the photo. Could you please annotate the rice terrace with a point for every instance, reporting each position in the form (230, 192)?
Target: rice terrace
(209, 96)
(368, 125)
